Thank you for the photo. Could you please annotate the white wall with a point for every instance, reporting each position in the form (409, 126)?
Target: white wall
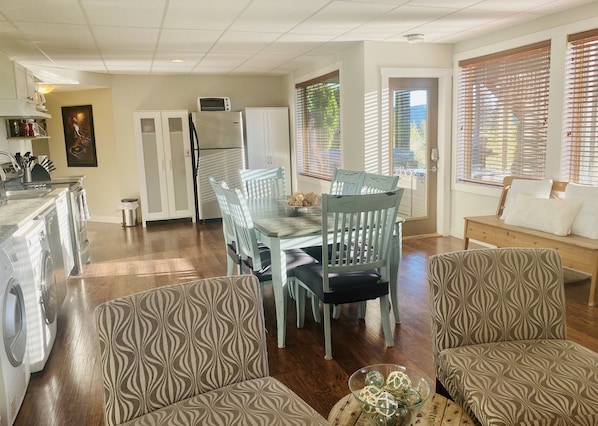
(473, 200)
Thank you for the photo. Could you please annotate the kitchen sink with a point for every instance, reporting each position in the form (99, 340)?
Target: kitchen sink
(24, 194)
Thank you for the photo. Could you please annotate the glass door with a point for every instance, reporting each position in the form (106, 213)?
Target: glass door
(414, 150)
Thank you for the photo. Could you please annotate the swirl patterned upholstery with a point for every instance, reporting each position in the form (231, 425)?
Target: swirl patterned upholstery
(499, 339)
(192, 354)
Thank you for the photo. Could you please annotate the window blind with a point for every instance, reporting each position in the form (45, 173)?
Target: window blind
(580, 156)
(502, 113)
(318, 126)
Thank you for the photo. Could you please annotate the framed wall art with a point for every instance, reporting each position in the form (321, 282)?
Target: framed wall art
(79, 136)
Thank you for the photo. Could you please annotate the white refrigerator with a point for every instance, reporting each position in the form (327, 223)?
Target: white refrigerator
(218, 150)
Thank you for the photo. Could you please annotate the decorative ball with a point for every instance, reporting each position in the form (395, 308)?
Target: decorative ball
(386, 404)
(368, 395)
(397, 383)
(381, 420)
(374, 378)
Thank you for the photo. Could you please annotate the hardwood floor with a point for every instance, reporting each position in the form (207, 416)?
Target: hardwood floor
(129, 260)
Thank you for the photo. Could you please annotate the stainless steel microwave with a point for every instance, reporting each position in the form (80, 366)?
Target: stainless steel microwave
(213, 103)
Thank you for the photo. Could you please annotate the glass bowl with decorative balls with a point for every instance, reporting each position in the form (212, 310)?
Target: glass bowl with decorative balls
(389, 394)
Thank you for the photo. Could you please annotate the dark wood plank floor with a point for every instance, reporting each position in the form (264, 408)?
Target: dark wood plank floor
(125, 261)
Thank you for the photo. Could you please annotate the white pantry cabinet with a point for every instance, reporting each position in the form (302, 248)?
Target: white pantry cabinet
(267, 136)
(164, 164)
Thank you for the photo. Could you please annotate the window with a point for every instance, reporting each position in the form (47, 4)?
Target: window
(318, 126)
(503, 108)
(580, 156)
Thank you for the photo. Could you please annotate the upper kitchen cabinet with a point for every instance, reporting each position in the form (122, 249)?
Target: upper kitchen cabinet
(267, 136)
(17, 82)
(165, 176)
(17, 92)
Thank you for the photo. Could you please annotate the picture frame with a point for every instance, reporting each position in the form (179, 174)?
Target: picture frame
(79, 136)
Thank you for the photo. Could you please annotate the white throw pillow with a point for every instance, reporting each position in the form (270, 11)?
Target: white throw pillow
(586, 221)
(550, 215)
(536, 188)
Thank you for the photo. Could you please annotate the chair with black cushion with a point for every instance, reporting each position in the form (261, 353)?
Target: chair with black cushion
(192, 354)
(360, 231)
(228, 227)
(346, 182)
(499, 339)
(255, 257)
(263, 183)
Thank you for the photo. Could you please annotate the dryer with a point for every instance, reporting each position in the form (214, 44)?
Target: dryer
(14, 362)
(35, 267)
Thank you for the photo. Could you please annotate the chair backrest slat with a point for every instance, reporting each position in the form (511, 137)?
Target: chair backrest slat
(228, 224)
(374, 183)
(263, 183)
(247, 239)
(346, 182)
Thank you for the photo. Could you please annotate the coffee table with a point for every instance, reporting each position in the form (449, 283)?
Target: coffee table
(436, 411)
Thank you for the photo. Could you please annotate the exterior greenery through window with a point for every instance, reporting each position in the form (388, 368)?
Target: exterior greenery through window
(318, 126)
(580, 154)
(503, 109)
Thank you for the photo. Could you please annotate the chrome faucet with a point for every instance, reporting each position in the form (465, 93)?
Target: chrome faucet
(14, 162)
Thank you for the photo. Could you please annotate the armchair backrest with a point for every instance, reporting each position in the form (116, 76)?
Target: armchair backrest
(263, 183)
(360, 232)
(493, 295)
(174, 342)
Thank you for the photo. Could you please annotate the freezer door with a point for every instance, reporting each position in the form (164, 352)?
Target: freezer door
(219, 129)
(223, 164)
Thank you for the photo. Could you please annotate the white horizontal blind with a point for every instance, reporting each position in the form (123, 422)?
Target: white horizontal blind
(503, 108)
(318, 126)
(580, 156)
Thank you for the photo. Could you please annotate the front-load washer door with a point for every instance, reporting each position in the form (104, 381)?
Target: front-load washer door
(14, 325)
(47, 289)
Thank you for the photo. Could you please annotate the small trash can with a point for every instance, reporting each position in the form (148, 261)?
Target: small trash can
(129, 209)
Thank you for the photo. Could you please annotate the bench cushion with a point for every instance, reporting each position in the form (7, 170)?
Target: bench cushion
(524, 382)
(263, 401)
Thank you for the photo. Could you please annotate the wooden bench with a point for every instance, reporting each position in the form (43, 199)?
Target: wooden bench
(576, 252)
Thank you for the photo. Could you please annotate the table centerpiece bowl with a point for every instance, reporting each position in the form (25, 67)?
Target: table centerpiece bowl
(389, 394)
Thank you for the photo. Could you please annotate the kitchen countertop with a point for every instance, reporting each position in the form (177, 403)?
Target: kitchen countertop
(17, 213)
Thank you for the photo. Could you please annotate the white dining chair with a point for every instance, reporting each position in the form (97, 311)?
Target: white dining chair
(255, 257)
(346, 182)
(374, 183)
(263, 183)
(228, 227)
(360, 236)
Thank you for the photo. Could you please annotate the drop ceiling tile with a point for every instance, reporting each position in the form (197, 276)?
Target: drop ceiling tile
(400, 21)
(220, 60)
(203, 15)
(340, 17)
(180, 41)
(71, 36)
(268, 15)
(297, 44)
(129, 13)
(58, 11)
(111, 38)
(243, 42)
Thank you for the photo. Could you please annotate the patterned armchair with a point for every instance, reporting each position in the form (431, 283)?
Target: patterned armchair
(192, 354)
(499, 339)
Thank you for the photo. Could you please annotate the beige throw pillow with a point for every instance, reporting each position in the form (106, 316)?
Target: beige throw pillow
(550, 215)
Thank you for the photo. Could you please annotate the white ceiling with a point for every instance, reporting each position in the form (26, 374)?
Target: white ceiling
(263, 37)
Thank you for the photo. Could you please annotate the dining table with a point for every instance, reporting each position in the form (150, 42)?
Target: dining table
(280, 227)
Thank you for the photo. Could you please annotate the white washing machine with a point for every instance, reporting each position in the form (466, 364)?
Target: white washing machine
(14, 362)
(35, 268)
